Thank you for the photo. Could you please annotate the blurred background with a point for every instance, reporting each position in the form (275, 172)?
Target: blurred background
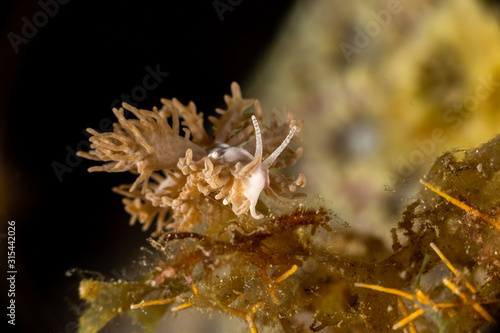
(384, 88)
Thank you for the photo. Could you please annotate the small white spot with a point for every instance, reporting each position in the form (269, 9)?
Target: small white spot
(389, 308)
(480, 167)
(214, 154)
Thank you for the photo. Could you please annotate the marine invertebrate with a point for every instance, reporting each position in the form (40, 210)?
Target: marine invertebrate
(253, 177)
(178, 173)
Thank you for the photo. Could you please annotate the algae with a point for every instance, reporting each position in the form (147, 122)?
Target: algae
(267, 272)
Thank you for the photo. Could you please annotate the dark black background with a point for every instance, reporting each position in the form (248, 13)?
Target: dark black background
(64, 80)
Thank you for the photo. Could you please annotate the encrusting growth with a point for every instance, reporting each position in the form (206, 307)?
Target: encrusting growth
(424, 304)
(179, 173)
(293, 263)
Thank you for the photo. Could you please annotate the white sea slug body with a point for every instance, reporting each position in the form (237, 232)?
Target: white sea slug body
(251, 175)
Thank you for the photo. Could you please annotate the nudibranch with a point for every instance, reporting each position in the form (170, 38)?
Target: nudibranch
(252, 178)
(183, 178)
